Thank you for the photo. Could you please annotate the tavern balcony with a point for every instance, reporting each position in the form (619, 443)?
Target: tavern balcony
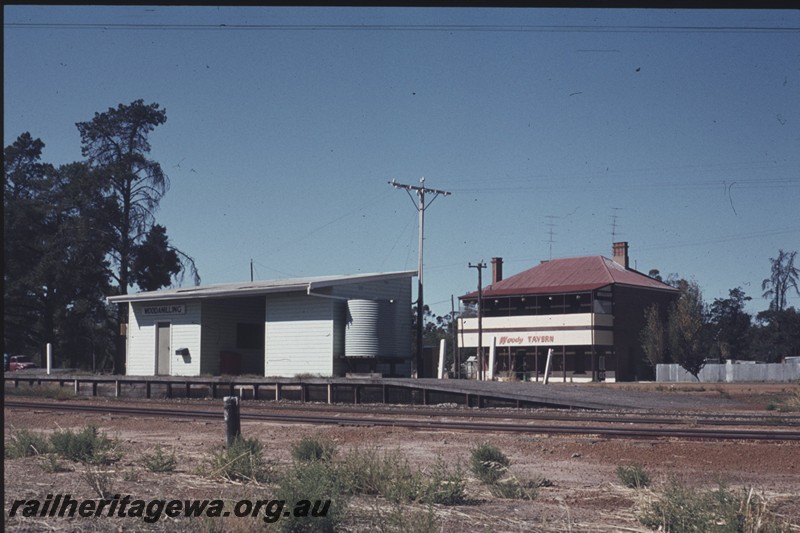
(542, 330)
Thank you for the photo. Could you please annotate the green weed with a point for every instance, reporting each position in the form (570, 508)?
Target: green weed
(42, 391)
(488, 463)
(159, 461)
(443, 485)
(681, 509)
(242, 461)
(50, 464)
(370, 472)
(312, 482)
(24, 443)
(633, 476)
(100, 481)
(313, 449)
(85, 446)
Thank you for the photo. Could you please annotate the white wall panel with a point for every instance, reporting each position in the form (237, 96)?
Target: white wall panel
(299, 335)
(184, 333)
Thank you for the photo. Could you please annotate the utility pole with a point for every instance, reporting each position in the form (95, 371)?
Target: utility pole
(454, 341)
(421, 206)
(480, 266)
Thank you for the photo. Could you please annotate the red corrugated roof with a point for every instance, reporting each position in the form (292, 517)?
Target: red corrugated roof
(574, 274)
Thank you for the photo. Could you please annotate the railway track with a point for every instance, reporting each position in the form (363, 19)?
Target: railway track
(640, 427)
(692, 419)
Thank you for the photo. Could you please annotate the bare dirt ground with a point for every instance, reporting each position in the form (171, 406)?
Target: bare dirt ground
(584, 493)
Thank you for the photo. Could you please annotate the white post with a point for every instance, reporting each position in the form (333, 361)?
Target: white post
(547, 365)
(442, 347)
(49, 357)
(492, 352)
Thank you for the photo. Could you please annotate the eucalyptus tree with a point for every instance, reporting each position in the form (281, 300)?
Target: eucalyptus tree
(687, 331)
(80, 265)
(783, 278)
(155, 262)
(653, 336)
(776, 335)
(55, 272)
(116, 146)
(731, 325)
(26, 186)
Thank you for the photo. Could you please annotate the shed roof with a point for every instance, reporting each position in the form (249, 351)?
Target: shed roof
(575, 274)
(254, 288)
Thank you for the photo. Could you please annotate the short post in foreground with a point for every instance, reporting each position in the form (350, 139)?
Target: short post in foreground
(233, 427)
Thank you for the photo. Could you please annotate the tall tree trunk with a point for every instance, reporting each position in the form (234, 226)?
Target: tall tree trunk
(124, 262)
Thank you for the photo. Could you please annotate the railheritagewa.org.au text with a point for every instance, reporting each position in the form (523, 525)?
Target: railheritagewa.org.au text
(150, 511)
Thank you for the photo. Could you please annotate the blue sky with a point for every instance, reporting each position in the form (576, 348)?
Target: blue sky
(677, 131)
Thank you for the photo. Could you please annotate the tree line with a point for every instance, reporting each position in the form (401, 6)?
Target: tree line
(689, 332)
(76, 233)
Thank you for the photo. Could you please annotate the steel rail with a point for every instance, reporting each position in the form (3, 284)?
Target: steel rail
(730, 434)
(685, 418)
(688, 418)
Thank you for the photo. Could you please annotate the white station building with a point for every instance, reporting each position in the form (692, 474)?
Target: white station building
(327, 326)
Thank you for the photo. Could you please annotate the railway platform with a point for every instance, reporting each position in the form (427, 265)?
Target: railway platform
(426, 391)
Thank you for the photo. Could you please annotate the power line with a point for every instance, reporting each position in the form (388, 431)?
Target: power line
(579, 181)
(724, 239)
(656, 247)
(402, 27)
(636, 174)
(368, 204)
(399, 236)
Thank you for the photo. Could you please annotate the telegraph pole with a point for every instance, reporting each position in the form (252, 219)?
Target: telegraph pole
(421, 206)
(480, 266)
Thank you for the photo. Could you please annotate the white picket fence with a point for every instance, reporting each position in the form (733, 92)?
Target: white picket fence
(732, 372)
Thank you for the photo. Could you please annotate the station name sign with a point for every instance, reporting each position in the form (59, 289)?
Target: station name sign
(177, 309)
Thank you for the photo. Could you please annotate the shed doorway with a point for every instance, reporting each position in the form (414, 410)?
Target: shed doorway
(162, 348)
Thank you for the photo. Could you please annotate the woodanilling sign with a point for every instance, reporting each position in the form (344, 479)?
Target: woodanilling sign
(177, 309)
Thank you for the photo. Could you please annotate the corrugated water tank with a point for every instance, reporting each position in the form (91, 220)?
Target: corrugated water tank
(370, 328)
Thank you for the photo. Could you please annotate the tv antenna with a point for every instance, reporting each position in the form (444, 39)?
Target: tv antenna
(614, 217)
(550, 232)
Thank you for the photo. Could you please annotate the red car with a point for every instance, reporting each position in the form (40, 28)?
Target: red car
(20, 362)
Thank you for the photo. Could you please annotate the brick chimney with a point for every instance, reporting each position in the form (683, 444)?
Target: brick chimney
(621, 253)
(497, 269)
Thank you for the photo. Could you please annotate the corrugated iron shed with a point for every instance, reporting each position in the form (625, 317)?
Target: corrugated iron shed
(251, 288)
(575, 274)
